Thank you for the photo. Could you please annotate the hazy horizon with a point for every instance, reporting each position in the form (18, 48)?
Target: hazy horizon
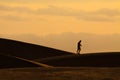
(68, 41)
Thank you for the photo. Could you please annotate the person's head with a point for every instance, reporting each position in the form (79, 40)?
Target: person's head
(80, 41)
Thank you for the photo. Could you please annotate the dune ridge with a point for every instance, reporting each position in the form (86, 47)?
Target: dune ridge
(28, 50)
(105, 59)
(49, 57)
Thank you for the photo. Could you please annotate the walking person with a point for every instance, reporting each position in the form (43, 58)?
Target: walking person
(79, 47)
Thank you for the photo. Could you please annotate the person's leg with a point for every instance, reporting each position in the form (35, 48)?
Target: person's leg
(77, 51)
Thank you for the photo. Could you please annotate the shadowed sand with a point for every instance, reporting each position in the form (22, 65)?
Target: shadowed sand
(24, 61)
(37, 63)
(16, 62)
(49, 57)
(62, 73)
(27, 50)
(108, 59)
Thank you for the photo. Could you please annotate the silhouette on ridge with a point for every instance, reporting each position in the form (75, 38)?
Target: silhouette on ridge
(79, 47)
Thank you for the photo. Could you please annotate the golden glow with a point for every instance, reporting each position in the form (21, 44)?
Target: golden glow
(67, 18)
(59, 17)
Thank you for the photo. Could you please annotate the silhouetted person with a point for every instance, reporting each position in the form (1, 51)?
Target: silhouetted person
(79, 47)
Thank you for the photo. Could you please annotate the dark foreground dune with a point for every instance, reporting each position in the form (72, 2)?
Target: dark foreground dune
(25, 53)
(24, 61)
(110, 59)
(71, 73)
(27, 50)
(15, 62)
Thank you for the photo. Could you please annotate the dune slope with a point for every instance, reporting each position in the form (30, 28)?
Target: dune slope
(13, 62)
(27, 50)
(110, 59)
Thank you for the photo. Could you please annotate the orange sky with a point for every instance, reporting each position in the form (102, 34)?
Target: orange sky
(56, 17)
(64, 21)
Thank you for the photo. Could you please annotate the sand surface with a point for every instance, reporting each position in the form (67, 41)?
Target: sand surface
(61, 73)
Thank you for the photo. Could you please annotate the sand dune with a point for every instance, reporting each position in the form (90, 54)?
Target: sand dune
(27, 50)
(37, 63)
(108, 59)
(14, 62)
(71, 73)
(27, 54)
